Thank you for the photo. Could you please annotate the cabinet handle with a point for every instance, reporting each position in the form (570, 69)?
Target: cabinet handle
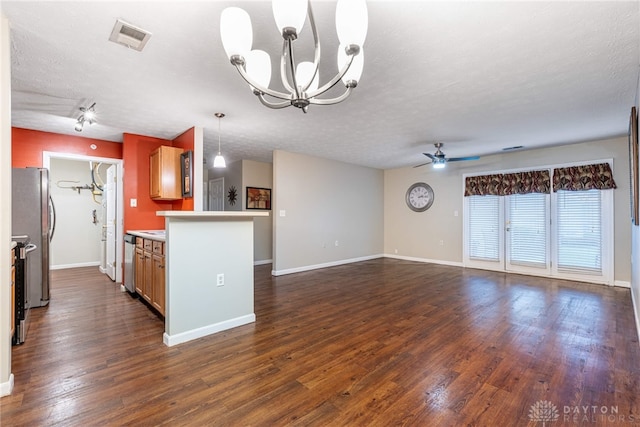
(161, 266)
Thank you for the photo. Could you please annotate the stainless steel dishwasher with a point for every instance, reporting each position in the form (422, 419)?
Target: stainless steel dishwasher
(129, 254)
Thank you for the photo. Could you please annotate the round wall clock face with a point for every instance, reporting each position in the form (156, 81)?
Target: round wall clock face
(232, 195)
(419, 197)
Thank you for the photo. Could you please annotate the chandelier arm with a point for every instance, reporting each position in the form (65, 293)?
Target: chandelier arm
(331, 101)
(273, 105)
(259, 87)
(283, 68)
(316, 42)
(333, 81)
(292, 68)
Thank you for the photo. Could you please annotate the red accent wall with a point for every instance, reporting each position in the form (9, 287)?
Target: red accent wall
(136, 151)
(186, 142)
(28, 145)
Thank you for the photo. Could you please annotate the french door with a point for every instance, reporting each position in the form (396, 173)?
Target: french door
(567, 234)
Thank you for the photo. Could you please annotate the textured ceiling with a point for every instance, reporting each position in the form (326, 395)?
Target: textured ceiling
(478, 76)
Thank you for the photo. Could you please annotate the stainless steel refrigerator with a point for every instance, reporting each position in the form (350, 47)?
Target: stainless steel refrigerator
(33, 215)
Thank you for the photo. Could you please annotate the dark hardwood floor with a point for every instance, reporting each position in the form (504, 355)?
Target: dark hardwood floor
(381, 343)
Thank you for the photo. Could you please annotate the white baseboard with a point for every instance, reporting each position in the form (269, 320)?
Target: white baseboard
(263, 262)
(324, 265)
(7, 388)
(80, 264)
(622, 284)
(182, 337)
(426, 260)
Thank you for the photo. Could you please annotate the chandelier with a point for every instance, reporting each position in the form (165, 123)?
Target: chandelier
(301, 80)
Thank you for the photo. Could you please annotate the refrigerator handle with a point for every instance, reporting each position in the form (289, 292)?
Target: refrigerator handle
(52, 230)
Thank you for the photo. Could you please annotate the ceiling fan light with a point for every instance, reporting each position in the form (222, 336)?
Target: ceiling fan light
(439, 165)
(218, 161)
(352, 21)
(236, 31)
(258, 63)
(354, 72)
(289, 14)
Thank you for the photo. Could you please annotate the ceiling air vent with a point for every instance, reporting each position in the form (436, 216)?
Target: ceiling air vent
(129, 35)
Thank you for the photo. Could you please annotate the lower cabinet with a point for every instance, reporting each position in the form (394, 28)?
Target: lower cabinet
(149, 272)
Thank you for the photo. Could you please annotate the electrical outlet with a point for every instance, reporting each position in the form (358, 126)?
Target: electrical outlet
(133, 203)
(395, 251)
(337, 243)
(220, 280)
(441, 242)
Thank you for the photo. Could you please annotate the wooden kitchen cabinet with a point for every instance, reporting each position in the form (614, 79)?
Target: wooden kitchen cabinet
(158, 277)
(150, 272)
(165, 175)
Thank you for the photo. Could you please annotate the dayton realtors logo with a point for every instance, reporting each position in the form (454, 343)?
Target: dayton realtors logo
(546, 412)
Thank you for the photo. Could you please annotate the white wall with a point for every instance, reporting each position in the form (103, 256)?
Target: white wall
(259, 174)
(6, 377)
(324, 202)
(77, 241)
(418, 235)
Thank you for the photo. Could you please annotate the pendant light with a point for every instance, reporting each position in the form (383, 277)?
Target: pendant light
(218, 161)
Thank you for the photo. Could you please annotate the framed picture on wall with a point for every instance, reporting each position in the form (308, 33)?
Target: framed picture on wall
(633, 165)
(186, 162)
(258, 198)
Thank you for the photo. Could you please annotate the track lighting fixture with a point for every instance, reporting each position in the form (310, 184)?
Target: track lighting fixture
(88, 116)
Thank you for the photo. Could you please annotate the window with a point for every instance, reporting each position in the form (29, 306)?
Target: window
(484, 228)
(579, 230)
(566, 234)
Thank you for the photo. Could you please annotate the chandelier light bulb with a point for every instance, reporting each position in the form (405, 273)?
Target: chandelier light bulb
(304, 73)
(353, 74)
(352, 21)
(258, 63)
(289, 14)
(236, 31)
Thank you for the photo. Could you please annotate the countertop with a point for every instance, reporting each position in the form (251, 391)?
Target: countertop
(212, 215)
(149, 234)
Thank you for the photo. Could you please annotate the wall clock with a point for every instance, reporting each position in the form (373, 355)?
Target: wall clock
(419, 197)
(232, 195)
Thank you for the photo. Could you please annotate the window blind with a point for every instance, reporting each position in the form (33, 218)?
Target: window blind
(484, 228)
(528, 222)
(579, 231)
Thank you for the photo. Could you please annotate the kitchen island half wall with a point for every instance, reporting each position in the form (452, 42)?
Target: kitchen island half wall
(209, 272)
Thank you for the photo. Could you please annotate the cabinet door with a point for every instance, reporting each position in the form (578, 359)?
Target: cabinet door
(165, 173)
(139, 271)
(147, 290)
(158, 297)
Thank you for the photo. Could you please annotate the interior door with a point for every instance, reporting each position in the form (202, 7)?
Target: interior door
(527, 233)
(216, 194)
(110, 193)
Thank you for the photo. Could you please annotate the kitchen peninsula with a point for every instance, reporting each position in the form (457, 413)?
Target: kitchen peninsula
(209, 272)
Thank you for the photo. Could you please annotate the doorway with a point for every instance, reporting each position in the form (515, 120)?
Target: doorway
(216, 194)
(106, 217)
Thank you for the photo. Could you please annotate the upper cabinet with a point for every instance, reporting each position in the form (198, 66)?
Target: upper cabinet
(165, 173)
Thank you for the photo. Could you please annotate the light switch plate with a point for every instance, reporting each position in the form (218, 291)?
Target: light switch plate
(133, 203)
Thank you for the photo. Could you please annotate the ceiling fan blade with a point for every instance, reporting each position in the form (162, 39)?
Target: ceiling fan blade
(428, 163)
(458, 159)
(431, 156)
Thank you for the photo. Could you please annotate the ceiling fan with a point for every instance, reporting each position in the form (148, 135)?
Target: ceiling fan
(439, 160)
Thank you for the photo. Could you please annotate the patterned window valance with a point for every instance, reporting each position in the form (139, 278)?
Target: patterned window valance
(582, 178)
(509, 183)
